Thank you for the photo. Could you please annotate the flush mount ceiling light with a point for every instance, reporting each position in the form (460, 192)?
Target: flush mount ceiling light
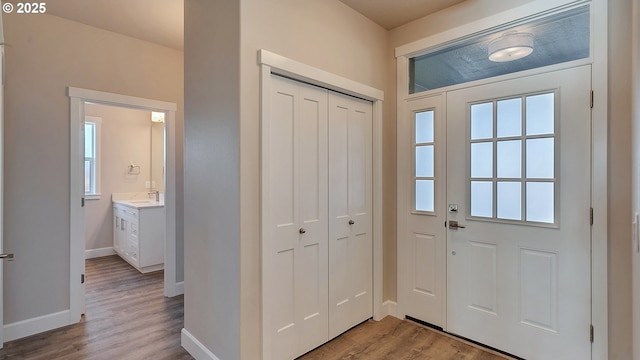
(511, 46)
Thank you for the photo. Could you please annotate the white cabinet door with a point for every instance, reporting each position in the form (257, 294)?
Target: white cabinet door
(519, 167)
(116, 229)
(295, 182)
(120, 240)
(350, 227)
(421, 202)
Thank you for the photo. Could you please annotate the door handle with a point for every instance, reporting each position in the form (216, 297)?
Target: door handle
(302, 231)
(7, 256)
(453, 224)
(351, 222)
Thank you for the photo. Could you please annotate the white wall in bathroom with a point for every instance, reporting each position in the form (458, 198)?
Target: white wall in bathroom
(125, 138)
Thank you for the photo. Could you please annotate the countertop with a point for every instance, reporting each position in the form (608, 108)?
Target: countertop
(140, 204)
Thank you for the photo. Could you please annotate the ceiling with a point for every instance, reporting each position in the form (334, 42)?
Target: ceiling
(156, 21)
(392, 13)
(162, 21)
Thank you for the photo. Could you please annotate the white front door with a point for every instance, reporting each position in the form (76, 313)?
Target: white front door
(350, 216)
(519, 170)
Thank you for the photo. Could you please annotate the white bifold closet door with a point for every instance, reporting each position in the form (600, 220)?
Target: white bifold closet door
(350, 220)
(296, 288)
(317, 250)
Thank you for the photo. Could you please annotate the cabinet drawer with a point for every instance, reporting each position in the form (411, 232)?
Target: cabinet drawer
(125, 212)
(131, 212)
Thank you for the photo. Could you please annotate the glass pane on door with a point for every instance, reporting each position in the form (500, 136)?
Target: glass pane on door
(504, 165)
(424, 161)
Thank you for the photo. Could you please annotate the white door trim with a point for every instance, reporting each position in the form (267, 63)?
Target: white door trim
(78, 98)
(599, 118)
(2, 332)
(302, 72)
(273, 63)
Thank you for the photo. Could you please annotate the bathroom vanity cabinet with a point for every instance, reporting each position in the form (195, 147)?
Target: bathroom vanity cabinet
(138, 234)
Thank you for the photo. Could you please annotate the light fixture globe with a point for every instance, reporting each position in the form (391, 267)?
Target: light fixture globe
(511, 46)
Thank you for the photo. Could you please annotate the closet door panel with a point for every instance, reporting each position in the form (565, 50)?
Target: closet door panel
(340, 280)
(312, 266)
(297, 285)
(283, 217)
(350, 234)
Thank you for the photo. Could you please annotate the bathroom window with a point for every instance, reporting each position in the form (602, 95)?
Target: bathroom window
(91, 157)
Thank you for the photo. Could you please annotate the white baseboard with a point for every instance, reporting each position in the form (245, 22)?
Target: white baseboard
(175, 290)
(180, 288)
(24, 328)
(390, 308)
(195, 347)
(94, 253)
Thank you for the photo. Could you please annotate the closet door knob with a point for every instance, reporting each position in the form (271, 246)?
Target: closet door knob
(302, 231)
(351, 222)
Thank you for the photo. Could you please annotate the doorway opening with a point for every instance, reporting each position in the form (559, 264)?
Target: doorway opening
(124, 164)
(82, 102)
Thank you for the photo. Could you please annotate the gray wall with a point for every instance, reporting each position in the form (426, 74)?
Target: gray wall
(212, 175)
(45, 55)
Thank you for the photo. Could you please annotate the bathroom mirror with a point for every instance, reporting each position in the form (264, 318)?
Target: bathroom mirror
(157, 154)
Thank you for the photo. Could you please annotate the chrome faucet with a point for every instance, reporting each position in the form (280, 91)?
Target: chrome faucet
(157, 193)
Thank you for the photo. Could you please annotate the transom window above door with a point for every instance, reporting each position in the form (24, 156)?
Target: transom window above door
(513, 159)
(552, 39)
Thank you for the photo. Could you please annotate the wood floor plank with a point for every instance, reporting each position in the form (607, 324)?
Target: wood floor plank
(128, 318)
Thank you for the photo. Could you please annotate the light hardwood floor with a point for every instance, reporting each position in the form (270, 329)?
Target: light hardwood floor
(394, 339)
(127, 318)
